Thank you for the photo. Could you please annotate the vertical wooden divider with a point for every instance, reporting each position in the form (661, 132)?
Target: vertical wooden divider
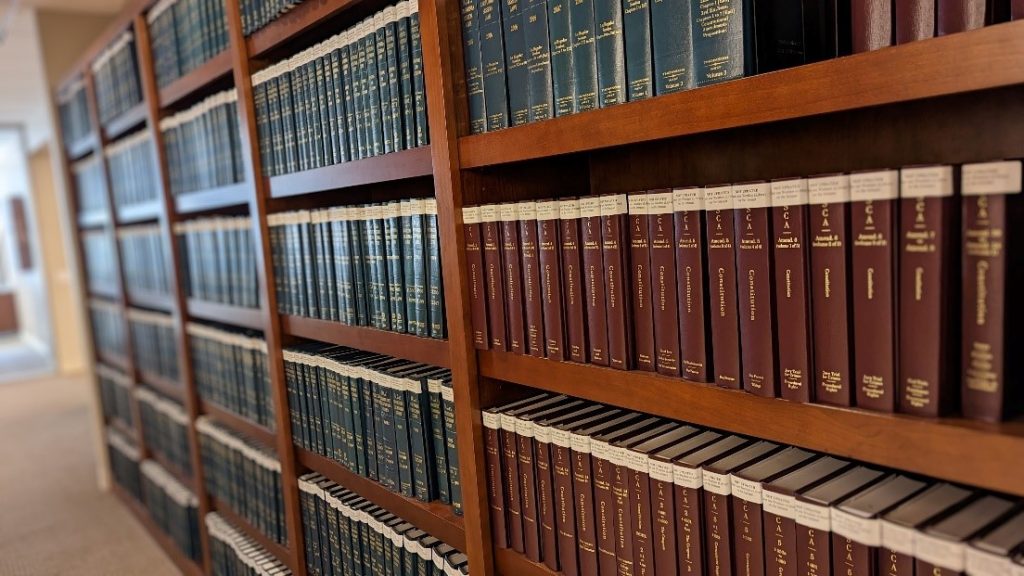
(444, 138)
(259, 192)
(172, 259)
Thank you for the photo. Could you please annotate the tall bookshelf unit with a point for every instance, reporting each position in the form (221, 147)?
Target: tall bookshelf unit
(952, 99)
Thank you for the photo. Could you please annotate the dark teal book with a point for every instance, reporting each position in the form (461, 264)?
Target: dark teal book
(438, 444)
(562, 69)
(495, 90)
(393, 266)
(451, 444)
(372, 458)
(361, 95)
(347, 71)
(584, 55)
(335, 131)
(418, 263)
(408, 271)
(394, 91)
(516, 63)
(435, 281)
(383, 84)
(473, 65)
(317, 113)
(723, 40)
(357, 252)
(611, 53)
(339, 112)
(419, 84)
(374, 69)
(636, 20)
(420, 446)
(405, 78)
(535, 35)
(358, 427)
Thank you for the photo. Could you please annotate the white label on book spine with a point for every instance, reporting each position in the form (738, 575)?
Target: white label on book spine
(580, 443)
(813, 516)
(448, 393)
(450, 570)
(1018, 569)
(789, 192)
(508, 212)
(492, 420)
(898, 538)
(981, 563)
(547, 210)
(779, 504)
(688, 477)
(614, 204)
(561, 438)
(991, 178)
(661, 471)
(717, 483)
(618, 455)
(718, 198)
(569, 209)
(637, 461)
(659, 203)
(542, 433)
(940, 552)
(746, 489)
(424, 553)
(874, 186)
(527, 210)
(438, 561)
(489, 213)
(755, 195)
(590, 207)
(508, 423)
(687, 199)
(638, 203)
(524, 428)
(471, 215)
(828, 189)
(866, 531)
(930, 182)
(600, 449)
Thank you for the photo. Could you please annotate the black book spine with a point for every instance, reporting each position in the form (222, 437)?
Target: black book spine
(562, 70)
(473, 65)
(495, 87)
(419, 87)
(636, 20)
(516, 60)
(405, 78)
(535, 37)
(673, 51)
(584, 55)
(722, 40)
(451, 444)
(435, 288)
(438, 442)
(611, 52)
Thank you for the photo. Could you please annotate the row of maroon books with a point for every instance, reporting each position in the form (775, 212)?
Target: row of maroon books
(594, 490)
(874, 289)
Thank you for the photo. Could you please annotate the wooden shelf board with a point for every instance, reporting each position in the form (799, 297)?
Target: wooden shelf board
(226, 314)
(953, 449)
(512, 563)
(184, 564)
(109, 293)
(174, 470)
(122, 427)
(119, 362)
(436, 518)
(131, 118)
(426, 350)
(162, 385)
(151, 300)
(207, 73)
(213, 199)
(81, 147)
(136, 213)
(981, 59)
(243, 426)
(93, 219)
(278, 550)
(401, 165)
(293, 23)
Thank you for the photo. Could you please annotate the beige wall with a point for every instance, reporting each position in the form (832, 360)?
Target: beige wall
(64, 36)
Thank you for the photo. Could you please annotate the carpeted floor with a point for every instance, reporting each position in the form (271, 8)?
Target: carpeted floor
(53, 518)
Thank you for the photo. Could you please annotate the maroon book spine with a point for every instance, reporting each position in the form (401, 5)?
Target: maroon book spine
(565, 508)
(615, 245)
(624, 526)
(755, 287)
(915, 20)
(852, 558)
(792, 291)
(664, 539)
(717, 525)
(725, 330)
(961, 15)
(640, 509)
(927, 285)
(893, 563)
(475, 270)
(780, 552)
(532, 297)
(829, 196)
(545, 497)
(1017, 10)
(688, 204)
(528, 492)
(513, 276)
(873, 197)
(513, 503)
(573, 300)
(663, 282)
(640, 276)
(689, 501)
(604, 507)
(493, 274)
(872, 24)
(495, 479)
(593, 280)
(550, 248)
(813, 543)
(993, 270)
(583, 491)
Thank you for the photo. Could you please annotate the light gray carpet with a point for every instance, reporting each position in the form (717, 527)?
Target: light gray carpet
(20, 361)
(53, 518)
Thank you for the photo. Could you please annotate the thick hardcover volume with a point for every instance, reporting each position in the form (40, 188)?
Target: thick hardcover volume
(900, 525)
(494, 276)
(691, 283)
(516, 61)
(640, 273)
(550, 276)
(512, 274)
(992, 272)
(614, 243)
(535, 23)
(872, 24)
(545, 496)
(725, 328)
(584, 55)
(477, 282)
(915, 20)
(636, 28)
(829, 196)
(992, 553)
(473, 66)
(665, 303)
(942, 548)
(673, 51)
(564, 501)
(963, 15)
(495, 480)
(927, 281)
(873, 198)
(751, 204)
(611, 56)
(532, 298)
(1017, 10)
(572, 281)
(560, 34)
(593, 280)
(792, 288)
(492, 54)
(723, 46)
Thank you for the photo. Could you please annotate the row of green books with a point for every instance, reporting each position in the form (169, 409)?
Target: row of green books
(90, 190)
(154, 347)
(132, 164)
(232, 552)
(143, 260)
(377, 265)
(107, 327)
(258, 13)
(165, 428)
(355, 95)
(115, 395)
(219, 260)
(124, 457)
(173, 507)
(116, 78)
(100, 266)
(184, 35)
(230, 369)
(75, 123)
(203, 146)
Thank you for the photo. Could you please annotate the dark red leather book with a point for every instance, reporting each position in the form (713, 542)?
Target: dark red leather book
(929, 247)
(872, 24)
(779, 512)
(1017, 10)
(615, 242)
(515, 312)
(856, 528)
(495, 478)
(494, 276)
(663, 282)
(532, 297)
(993, 552)
(640, 283)
(873, 215)
(963, 15)
(899, 525)
(691, 283)
(792, 288)
(915, 20)
(813, 517)
(573, 300)
(833, 345)
(993, 270)
(593, 280)
(725, 327)
(550, 276)
(475, 276)
(747, 502)
(751, 203)
(940, 549)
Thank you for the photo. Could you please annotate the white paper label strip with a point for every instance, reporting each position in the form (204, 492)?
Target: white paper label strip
(813, 516)
(943, 553)
(898, 538)
(866, 531)
(779, 504)
(717, 483)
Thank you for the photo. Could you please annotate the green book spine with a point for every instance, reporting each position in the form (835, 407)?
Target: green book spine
(384, 437)
(315, 404)
(492, 55)
(636, 20)
(611, 57)
(535, 37)
(383, 83)
(289, 130)
(560, 42)
(325, 98)
(343, 265)
(336, 84)
(373, 87)
(419, 85)
(348, 424)
(435, 288)
(394, 90)
(299, 103)
(394, 268)
(439, 448)
(309, 270)
(373, 464)
(419, 441)
(408, 273)
(357, 249)
(516, 63)
(584, 54)
(358, 427)
(673, 52)
(451, 445)
(402, 445)
(359, 81)
(405, 78)
(347, 71)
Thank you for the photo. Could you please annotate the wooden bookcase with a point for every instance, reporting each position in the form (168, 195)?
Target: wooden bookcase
(953, 99)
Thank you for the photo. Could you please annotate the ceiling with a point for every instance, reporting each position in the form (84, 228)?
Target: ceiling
(102, 6)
